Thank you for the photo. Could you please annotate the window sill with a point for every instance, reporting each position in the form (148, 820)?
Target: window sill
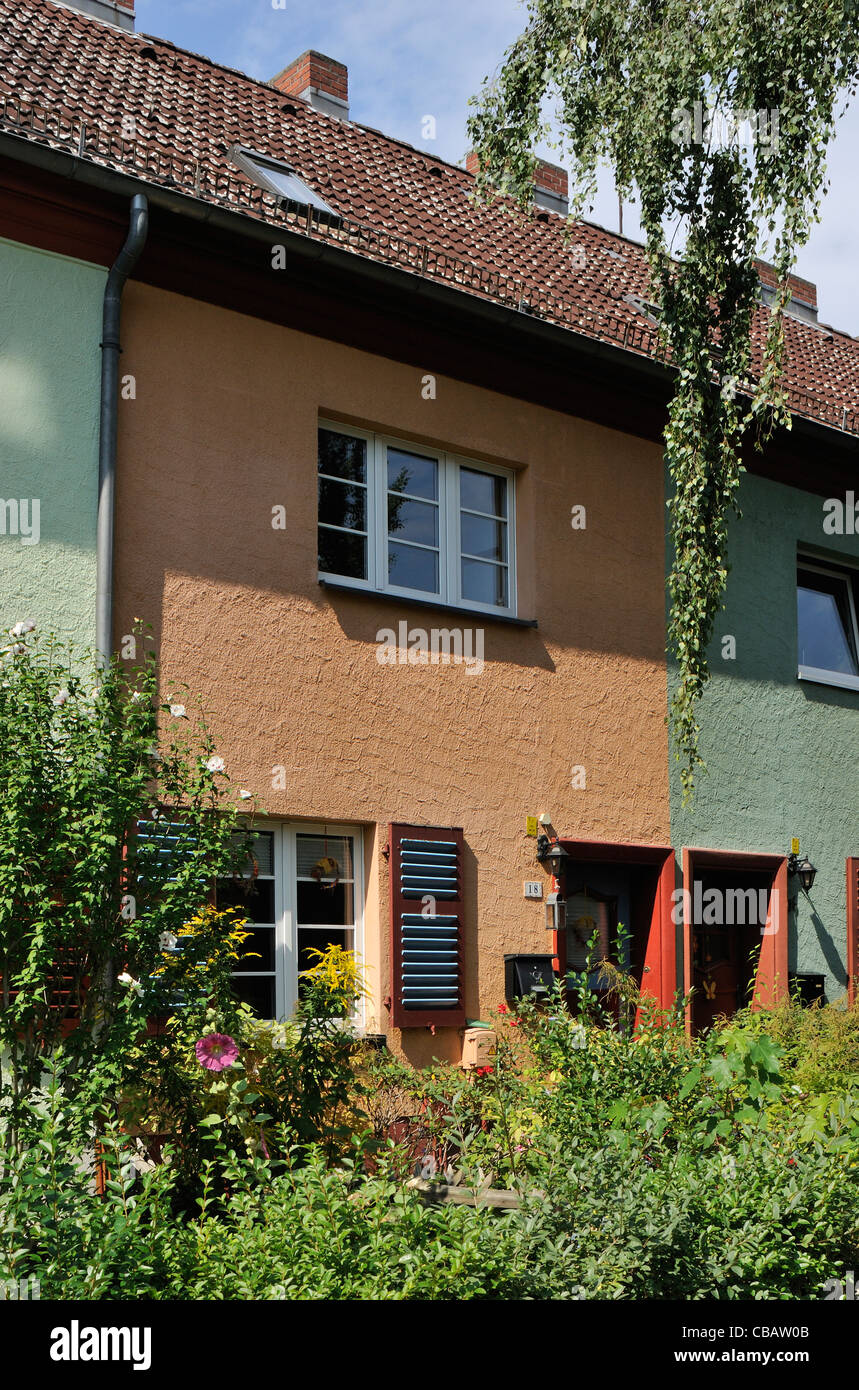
(818, 677)
(434, 604)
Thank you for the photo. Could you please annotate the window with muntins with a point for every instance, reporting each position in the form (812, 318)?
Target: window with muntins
(407, 519)
(827, 629)
(300, 890)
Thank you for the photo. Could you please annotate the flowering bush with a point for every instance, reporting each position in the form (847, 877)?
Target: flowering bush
(85, 901)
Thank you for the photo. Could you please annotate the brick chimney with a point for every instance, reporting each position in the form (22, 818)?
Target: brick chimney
(551, 184)
(118, 12)
(803, 301)
(322, 81)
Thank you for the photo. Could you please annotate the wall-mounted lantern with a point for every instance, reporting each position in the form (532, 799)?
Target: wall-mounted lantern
(556, 912)
(804, 868)
(553, 856)
(555, 859)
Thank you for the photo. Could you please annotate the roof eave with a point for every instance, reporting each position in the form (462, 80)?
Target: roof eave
(650, 375)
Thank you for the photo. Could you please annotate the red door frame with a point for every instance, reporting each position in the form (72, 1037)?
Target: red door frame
(659, 979)
(771, 983)
(852, 927)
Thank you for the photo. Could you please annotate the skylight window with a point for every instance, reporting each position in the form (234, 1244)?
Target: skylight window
(278, 178)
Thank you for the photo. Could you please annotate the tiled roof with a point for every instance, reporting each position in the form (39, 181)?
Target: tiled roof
(69, 81)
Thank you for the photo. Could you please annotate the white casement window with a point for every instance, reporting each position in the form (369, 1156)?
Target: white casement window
(407, 519)
(827, 628)
(303, 888)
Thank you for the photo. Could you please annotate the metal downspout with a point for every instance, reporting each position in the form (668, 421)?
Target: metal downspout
(110, 350)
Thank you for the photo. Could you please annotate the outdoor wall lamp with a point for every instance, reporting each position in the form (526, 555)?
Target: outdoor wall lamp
(556, 912)
(805, 869)
(554, 857)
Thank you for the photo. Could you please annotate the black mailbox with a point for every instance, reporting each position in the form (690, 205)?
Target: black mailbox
(809, 989)
(525, 975)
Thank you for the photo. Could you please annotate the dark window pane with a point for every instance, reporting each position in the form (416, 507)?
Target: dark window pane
(412, 569)
(483, 492)
(254, 897)
(341, 553)
(413, 474)
(484, 583)
(256, 991)
(825, 624)
(343, 504)
(413, 521)
(257, 952)
(325, 903)
(343, 456)
(480, 536)
(319, 941)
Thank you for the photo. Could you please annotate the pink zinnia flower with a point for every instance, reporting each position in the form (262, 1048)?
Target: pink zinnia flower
(216, 1051)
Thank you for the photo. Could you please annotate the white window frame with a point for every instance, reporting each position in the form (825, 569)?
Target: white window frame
(450, 544)
(822, 675)
(285, 861)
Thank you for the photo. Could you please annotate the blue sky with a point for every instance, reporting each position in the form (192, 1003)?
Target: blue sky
(407, 59)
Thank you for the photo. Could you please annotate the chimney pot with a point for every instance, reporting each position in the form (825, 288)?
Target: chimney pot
(118, 12)
(551, 183)
(803, 301)
(320, 80)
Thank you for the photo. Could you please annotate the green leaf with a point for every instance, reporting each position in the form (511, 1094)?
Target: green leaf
(690, 1081)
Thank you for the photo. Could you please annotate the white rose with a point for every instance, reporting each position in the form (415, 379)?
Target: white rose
(60, 698)
(178, 711)
(215, 765)
(246, 796)
(20, 628)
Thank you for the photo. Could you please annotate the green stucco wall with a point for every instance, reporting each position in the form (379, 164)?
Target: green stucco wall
(50, 328)
(782, 754)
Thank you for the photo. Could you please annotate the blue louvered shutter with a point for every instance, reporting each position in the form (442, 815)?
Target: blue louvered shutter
(427, 926)
(161, 849)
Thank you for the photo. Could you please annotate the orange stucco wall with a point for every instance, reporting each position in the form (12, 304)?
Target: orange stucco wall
(223, 429)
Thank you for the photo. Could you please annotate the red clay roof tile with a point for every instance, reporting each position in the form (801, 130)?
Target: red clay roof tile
(60, 68)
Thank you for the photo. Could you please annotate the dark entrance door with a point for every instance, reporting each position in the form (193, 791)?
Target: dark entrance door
(728, 911)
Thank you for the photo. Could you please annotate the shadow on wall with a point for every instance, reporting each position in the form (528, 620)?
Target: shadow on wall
(469, 639)
(829, 950)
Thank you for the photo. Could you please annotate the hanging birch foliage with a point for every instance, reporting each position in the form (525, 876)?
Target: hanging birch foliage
(715, 116)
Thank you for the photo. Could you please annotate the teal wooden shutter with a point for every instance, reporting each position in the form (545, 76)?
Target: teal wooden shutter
(426, 926)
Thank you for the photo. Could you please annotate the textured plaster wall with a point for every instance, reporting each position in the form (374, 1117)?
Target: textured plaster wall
(783, 754)
(223, 429)
(50, 328)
